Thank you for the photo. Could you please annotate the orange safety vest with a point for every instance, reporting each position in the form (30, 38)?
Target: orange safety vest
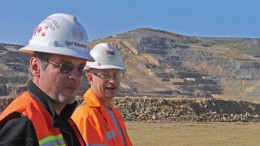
(95, 124)
(47, 134)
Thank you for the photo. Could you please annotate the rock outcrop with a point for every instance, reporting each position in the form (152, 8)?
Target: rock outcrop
(181, 110)
(199, 110)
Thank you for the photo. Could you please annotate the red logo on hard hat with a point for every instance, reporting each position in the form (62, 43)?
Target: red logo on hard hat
(41, 31)
(110, 52)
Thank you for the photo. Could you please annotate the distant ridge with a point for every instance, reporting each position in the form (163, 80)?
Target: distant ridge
(166, 64)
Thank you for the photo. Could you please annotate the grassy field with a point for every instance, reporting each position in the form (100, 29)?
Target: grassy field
(194, 134)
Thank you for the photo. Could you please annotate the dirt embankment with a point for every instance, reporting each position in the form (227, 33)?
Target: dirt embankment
(173, 109)
(197, 110)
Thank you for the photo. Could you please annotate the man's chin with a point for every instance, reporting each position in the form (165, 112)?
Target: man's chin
(110, 96)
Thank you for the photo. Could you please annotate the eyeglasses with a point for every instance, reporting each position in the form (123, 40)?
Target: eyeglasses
(67, 68)
(109, 75)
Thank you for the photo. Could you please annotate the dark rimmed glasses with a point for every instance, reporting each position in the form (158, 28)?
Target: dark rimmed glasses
(66, 68)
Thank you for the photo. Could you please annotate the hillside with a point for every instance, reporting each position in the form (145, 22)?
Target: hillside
(168, 64)
(165, 64)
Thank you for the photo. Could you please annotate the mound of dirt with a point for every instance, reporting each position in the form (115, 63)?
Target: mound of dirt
(180, 110)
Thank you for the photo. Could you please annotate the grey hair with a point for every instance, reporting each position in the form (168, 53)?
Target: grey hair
(44, 58)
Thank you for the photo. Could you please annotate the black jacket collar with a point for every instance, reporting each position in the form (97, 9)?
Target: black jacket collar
(58, 121)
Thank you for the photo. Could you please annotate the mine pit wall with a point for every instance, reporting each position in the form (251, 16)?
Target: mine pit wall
(181, 110)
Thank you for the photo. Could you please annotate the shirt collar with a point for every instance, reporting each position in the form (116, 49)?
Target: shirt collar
(57, 120)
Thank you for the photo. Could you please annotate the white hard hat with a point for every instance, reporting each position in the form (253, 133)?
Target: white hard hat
(106, 57)
(59, 34)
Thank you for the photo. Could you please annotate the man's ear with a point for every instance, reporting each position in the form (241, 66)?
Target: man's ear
(35, 66)
(89, 76)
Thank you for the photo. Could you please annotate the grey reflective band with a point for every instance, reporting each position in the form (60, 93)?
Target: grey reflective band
(110, 134)
(56, 140)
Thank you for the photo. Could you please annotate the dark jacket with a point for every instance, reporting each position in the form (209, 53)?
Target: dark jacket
(17, 129)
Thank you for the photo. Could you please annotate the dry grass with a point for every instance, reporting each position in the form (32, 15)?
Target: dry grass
(195, 134)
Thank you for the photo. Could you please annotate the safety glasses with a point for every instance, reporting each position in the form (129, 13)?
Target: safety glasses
(109, 75)
(66, 68)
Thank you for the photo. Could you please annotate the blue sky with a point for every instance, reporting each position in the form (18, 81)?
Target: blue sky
(102, 18)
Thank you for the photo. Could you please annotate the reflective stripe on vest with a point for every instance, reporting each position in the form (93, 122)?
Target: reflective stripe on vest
(56, 140)
(110, 134)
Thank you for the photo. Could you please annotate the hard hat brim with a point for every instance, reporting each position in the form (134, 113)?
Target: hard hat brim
(78, 53)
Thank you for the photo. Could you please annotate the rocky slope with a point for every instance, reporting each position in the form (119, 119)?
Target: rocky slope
(173, 65)
(165, 64)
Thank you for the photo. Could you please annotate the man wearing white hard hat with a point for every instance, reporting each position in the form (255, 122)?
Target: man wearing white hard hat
(99, 122)
(41, 115)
